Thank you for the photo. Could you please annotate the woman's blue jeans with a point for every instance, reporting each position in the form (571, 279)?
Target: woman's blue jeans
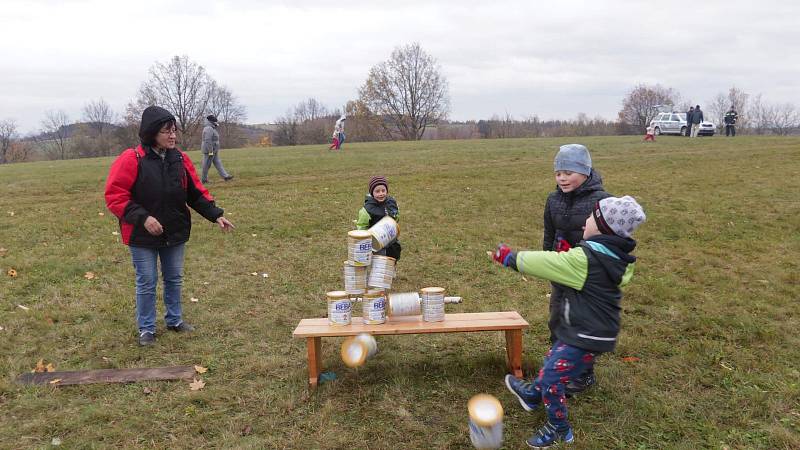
(145, 263)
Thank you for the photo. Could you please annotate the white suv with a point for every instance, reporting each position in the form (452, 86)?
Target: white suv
(675, 123)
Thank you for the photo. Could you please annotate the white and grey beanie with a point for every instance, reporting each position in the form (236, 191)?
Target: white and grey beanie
(618, 215)
(574, 158)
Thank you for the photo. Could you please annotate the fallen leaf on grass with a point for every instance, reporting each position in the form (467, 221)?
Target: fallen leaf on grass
(197, 384)
(200, 369)
(253, 273)
(630, 359)
(56, 381)
(265, 275)
(12, 273)
(205, 283)
(56, 442)
(194, 300)
(254, 235)
(101, 214)
(524, 279)
(11, 213)
(3, 251)
(89, 276)
(725, 365)
(1, 328)
(22, 307)
(115, 233)
(41, 368)
(248, 429)
(147, 391)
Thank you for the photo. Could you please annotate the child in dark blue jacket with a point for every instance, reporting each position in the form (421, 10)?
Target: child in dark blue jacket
(591, 275)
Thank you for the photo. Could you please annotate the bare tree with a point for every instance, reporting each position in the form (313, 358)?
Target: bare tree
(182, 87)
(99, 115)
(286, 133)
(8, 132)
(408, 91)
(641, 104)
(718, 106)
(785, 119)
(55, 133)
(230, 113)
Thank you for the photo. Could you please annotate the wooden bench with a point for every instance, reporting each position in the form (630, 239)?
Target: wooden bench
(313, 330)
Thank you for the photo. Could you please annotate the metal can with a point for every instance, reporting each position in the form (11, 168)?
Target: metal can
(355, 278)
(374, 307)
(485, 421)
(340, 308)
(432, 304)
(384, 232)
(359, 247)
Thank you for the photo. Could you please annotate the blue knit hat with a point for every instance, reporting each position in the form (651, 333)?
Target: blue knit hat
(573, 157)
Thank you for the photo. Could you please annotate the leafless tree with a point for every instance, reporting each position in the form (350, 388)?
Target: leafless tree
(785, 119)
(54, 139)
(99, 115)
(230, 113)
(640, 105)
(408, 91)
(717, 107)
(287, 130)
(310, 109)
(8, 132)
(182, 87)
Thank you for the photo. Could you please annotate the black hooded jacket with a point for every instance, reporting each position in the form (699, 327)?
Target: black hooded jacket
(144, 183)
(565, 213)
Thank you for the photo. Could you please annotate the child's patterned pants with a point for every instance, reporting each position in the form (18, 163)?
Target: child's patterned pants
(561, 364)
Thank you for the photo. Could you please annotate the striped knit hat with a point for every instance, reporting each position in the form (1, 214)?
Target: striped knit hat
(376, 181)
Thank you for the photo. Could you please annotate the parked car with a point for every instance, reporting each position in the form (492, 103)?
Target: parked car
(675, 123)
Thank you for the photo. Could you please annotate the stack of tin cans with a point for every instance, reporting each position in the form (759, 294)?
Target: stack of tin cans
(355, 278)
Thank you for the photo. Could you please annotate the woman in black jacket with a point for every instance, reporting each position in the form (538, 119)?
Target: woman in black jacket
(148, 189)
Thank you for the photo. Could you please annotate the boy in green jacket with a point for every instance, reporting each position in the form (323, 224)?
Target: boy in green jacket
(378, 204)
(592, 274)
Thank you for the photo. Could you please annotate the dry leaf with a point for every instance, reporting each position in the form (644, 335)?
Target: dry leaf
(725, 365)
(194, 300)
(3, 251)
(89, 276)
(115, 233)
(40, 366)
(55, 442)
(11, 213)
(253, 273)
(1, 328)
(50, 367)
(254, 235)
(56, 381)
(630, 359)
(146, 391)
(248, 429)
(12, 273)
(524, 279)
(101, 214)
(197, 384)
(205, 283)
(200, 369)
(265, 275)
(24, 308)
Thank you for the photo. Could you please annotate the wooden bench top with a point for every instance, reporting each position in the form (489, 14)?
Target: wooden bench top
(462, 322)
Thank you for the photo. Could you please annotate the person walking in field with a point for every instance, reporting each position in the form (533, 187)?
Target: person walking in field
(697, 119)
(689, 115)
(210, 148)
(149, 188)
(730, 122)
(338, 134)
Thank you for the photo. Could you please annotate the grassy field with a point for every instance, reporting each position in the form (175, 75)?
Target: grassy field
(712, 314)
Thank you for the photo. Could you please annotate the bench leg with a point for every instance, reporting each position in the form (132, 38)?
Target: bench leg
(514, 352)
(314, 360)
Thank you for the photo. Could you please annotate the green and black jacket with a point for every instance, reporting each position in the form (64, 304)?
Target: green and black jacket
(591, 275)
(373, 211)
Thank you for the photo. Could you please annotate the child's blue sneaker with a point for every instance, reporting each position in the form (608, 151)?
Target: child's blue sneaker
(525, 392)
(548, 437)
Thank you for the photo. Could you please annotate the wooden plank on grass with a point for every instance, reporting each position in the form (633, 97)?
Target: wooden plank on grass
(108, 376)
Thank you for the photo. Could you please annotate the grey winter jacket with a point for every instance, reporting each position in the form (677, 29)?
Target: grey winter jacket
(697, 117)
(210, 142)
(566, 213)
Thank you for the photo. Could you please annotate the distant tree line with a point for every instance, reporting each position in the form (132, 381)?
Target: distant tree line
(405, 97)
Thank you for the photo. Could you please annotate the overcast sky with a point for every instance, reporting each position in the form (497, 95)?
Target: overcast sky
(552, 59)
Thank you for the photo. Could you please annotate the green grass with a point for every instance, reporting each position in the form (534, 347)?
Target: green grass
(712, 313)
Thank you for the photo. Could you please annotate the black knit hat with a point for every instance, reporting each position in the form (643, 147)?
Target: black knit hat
(211, 118)
(377, 181)
(153, 118)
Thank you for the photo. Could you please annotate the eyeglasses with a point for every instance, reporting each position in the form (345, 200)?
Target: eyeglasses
(168, 132)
